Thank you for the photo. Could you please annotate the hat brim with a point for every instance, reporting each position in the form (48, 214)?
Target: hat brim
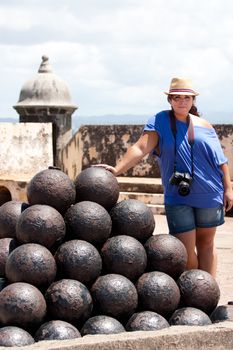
(186, 93)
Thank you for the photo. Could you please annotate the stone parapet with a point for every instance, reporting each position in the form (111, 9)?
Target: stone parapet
(93, 144)
(215, 337)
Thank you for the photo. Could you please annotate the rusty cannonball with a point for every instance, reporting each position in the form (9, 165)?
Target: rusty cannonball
(56, 330)
(222, 313)
(23, 305)
(97, 185)
(7, 245)
(88, 221)
(69, 300)
(31, 263)
(134, 218)
(167, 254)
(198, 289)
(158, 292)
(78, 260)
(146, 321)
(52, 187)
(14, 336)
(102, 324)
(41, 224)
(124, 255)
(9, 214)
(189, 316)
(114, 295)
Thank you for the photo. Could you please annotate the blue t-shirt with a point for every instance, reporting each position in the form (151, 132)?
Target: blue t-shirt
(206, 189)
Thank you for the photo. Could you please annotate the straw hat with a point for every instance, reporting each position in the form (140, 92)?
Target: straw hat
(181, 86)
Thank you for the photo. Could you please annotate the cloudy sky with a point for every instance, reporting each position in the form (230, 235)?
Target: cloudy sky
(118, 56)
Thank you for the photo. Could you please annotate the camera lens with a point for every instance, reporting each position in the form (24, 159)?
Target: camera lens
(184, 188)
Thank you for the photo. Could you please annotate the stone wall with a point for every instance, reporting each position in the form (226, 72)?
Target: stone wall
(25, 149)
(94, 144)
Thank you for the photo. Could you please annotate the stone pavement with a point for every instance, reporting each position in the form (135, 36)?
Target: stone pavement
(224, 244)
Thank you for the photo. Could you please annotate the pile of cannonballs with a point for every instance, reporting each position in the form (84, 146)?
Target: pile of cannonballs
(75, 260)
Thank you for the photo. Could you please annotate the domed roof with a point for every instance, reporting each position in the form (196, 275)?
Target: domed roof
(46, 89)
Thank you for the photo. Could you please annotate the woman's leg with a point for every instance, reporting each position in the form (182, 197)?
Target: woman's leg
(206, 251)
(189, 240)
(181, 218)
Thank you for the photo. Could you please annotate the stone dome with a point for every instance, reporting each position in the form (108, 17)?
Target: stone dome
(46, 89)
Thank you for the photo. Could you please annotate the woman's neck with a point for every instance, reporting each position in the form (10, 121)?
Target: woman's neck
(181, 117)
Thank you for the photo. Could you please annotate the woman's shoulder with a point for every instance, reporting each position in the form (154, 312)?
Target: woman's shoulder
(198, 121)
(162, 113)
(158, 118)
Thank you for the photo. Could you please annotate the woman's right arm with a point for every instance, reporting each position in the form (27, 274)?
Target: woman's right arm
(145, 144)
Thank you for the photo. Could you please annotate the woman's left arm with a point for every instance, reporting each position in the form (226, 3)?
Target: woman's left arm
(228, 191)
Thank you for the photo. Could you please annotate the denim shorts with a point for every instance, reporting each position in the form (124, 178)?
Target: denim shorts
(183, 218)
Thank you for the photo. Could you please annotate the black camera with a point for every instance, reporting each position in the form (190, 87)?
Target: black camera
(183, 181)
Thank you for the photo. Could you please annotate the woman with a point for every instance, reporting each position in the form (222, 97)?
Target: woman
(194, 171)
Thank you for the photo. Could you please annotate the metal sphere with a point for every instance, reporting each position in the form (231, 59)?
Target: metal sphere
(69, 300)
(158, 292)
(114, 295)
(14, 336)
(124, 255)
(167, 254)
(222, 313)
(102, 324)
(31, 263)
(146, 321)
(9, 214)
(23, 305)
(52, 187)
(88, 221)
(97, 185)
(190, 316)
(134, 218)
(198, 289)
(41, 224)
(78, 260)
(56, 330)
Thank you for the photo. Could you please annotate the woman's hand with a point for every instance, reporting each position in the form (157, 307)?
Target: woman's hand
(228, 191)
(107, 167)
(228, 199)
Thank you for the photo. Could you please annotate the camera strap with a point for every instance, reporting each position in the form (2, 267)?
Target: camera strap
(190, 137)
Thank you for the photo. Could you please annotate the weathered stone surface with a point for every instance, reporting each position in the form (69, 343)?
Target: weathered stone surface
(108, 143)
(17, 151)
(213, 337)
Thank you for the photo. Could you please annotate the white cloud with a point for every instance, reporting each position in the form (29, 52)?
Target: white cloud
(118, 56)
